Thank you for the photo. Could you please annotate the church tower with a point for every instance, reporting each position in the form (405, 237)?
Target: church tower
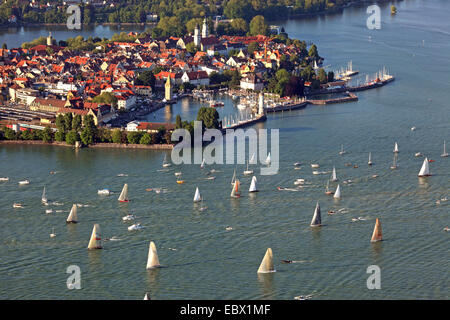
(197, 38)
(205, 32)
(168, 87)
(49, 39)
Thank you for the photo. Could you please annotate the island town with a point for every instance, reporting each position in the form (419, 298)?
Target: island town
(88, 91)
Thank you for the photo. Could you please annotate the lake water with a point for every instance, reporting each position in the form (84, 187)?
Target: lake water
(212, 263)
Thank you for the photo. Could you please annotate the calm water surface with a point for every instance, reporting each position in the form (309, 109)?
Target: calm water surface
(212, 263)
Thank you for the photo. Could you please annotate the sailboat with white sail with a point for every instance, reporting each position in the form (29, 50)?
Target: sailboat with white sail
(425, 170)
(342, 150)
(202, 165)
(235, 192)
(96, 239)
(316, 220)
(253, 187)
(152, 260)
(266, 265)
(44, 199)
(333, 175)
(197, 196)
(370, 159)
(337, 193)
(72, 218)
(445, 153)
(327, 189)
(165, 163)
(123, 197)
(234, 177)
(53, 234)
(248, 172)
(396, 148)
(268, 159)
(253, 159)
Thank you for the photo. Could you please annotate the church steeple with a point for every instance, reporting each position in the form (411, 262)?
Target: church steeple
(205, 32)
(197, 36)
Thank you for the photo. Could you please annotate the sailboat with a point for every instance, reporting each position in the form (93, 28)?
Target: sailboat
(370, 159)
(377, 233)
(337, 194)
(44, 197)
(53, 234)
(342, 150)
(333, 175)
(252, 159)
(72, 218)
(327, 190)
(253, 185)
(179, 180)
(96, 240)
(425, 170)
(235, 193)
(234, 177)
(203, 164)
(396, 148)
(444, 154)
(124, 194)
(147, 296)
(316, 220)
(248, 172)
(152, 260)
(165, 163)
(394, 163)
(266, 265)
(268, 159)
(197, 196)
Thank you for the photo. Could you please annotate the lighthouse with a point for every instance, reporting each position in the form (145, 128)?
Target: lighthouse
(261, 103)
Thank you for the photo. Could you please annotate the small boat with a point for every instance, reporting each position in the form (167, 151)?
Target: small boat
(413, 128)
(299, 181)
(248, 172)
(418, 154)
(4, 179)
(96, 239)
(49, 211)
(370, 159)
(337, 194)
(266, 265)
(374, 176)
(197, 196)
(122, 175)
(331, 212)
(348, 164)
(17, 205)
(235, 193)
(425, 170)
(103, 192)
(23, 182)
(228, 228)
(202, 207)
(134, 227)
(147, 296)
(342, 150)
(268, 159)
(72, 218)
(396, 148)
(53, 234)
(333, 175)
(44, 197)
(215, 104)
(123, 197)
(177, 174)
(377, 233)
(297, 164)
(355, 166)
(202, 165)
(253, 187)
(152, 260)
(316, 220)
(286, 261)
(446, 229)
(445, 153)
(327, 190)
(179, 180)
(394, 163)
(128, 217)
(165, 163)
(234, 177)
(314, 165)
(315, 172)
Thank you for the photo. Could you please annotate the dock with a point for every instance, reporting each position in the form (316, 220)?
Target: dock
(351, 97)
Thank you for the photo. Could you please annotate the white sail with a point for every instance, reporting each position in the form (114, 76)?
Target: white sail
(425, 170)
(316, 220)
(253, 185)
(396, 148)
(72, 218)
(337, 194)
(152, 260)
(147, 296)
(44, 197)
(203, 164)
(124, 194)
(333, 175)
(234, 177)
(444, 154)
(252, 159)
(96, 240)
(268, 159)
(267, 263)
(197, 196)
(370, 159)
(165, 163)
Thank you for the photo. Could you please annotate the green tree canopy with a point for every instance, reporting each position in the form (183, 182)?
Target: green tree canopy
(258, 26)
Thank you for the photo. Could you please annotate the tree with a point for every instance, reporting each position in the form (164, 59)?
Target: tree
(68, 121)
(116, 136)
(76, 123)
(146, 78)
(60, 123)
(330, 76)
(313, 53)
(252, 47)
(238, 27)
(134, 137)
(146, 138)
(10, 134)
(4, 46)
(107, 98)
(72, 136)
(209, 117)
(258, 26)
(178, 123)
(60, 136)
(191, 48)
(47, 135)
(238, 9)
(89, 133)
(322, 76)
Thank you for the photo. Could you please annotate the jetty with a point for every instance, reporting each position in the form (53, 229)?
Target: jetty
(351, 97)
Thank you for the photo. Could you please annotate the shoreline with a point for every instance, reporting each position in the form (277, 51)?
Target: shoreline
(99, 145)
